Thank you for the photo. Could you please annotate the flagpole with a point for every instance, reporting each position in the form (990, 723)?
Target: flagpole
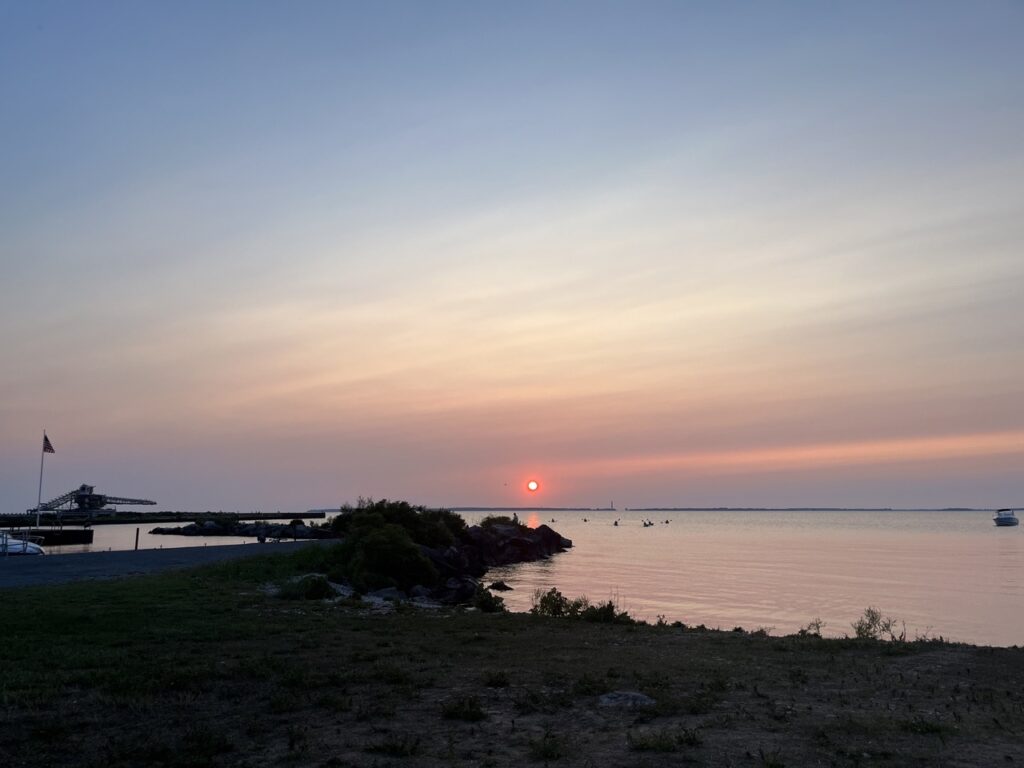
(39, 499)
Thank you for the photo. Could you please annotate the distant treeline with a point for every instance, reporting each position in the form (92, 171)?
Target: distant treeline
(807, 509)
(531, 509)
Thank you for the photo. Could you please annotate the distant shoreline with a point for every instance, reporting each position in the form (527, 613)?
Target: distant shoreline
(532, 509)
(721, 509)
(808, 509)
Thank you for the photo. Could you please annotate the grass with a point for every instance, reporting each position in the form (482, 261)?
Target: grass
(464, 708)
(206, 668)
(663, 740)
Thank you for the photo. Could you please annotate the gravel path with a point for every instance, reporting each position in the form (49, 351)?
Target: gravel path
(59, 569)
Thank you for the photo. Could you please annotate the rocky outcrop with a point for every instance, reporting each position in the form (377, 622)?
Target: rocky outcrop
(488, 546)
(459, 565)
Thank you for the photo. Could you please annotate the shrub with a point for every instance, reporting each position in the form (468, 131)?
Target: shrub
(497, 679)
(666, 740)
(311, 587)
(553, 603)
(813, 628)
(874, 626)
(374, 558)
(548, 747)
(492, 520)
(430, 527)
(487, 602)
(466, 708)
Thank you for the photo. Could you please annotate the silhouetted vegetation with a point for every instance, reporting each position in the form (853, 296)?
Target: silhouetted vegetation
(382, 543)
(430, 527)
(874, 626)
(492, 520)
(553, 603)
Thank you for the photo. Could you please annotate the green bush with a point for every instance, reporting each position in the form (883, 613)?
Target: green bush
(553, 603)
(492, 520)
(430, 527)
(487, 602)
(311, 587)
(874, 626)
(374, 558)
(465, 708)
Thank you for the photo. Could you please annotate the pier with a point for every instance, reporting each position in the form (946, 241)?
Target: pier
(115, 517)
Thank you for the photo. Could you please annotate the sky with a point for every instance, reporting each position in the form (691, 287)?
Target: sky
(272, 256)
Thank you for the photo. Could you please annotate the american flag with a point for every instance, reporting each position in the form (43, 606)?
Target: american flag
(47, 445)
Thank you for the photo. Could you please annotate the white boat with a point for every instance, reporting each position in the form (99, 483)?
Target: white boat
(1005, 517)
(10, 546)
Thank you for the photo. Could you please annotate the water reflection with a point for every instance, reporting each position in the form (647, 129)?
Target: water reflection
(952, 572)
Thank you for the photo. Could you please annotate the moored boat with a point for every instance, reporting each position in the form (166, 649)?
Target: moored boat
(10, 546)
(1005, 517)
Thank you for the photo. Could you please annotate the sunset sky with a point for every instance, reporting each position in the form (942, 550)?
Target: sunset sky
(281, 255)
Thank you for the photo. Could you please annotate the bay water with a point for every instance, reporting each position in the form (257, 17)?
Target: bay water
(948, 573)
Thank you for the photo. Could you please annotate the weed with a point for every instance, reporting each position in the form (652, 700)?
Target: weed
(497, 679)
(874, 626)
(554, 604)
(924, 727)
(701, 703)
(391, 674)
(547, 747)
(812, 628)
(770, 759)
(665, 740)
(487, 602)
(586, 685)
(464, 708)
(395, 745)
(298, 740)
(202, 741)
(310, 587)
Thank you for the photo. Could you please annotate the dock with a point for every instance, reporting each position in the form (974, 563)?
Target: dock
(63, 518)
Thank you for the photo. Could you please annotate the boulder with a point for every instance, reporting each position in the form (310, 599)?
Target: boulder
(388, 593)
(457, 589)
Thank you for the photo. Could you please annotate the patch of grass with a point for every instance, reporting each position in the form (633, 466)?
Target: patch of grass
(588, 685)
(313, 586)
(771, 759)
(531, 701)
(701, 703)
(392, 674)
(498, 679)
(664, 740)
(395, 745)
(924, 727)
(465, 708)
(547, 747)
(203, 741)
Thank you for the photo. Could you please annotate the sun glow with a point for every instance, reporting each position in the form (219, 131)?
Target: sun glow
(532, 486)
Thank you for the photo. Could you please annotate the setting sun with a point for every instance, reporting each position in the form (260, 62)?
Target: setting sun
(532, 486)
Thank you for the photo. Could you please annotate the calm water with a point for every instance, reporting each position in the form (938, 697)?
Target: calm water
(948, 573)
(951, 573)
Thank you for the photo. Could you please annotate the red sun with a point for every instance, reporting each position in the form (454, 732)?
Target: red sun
(532, 486)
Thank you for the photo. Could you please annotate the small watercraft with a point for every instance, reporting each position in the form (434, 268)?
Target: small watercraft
(1005, 517)
(10, 546)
